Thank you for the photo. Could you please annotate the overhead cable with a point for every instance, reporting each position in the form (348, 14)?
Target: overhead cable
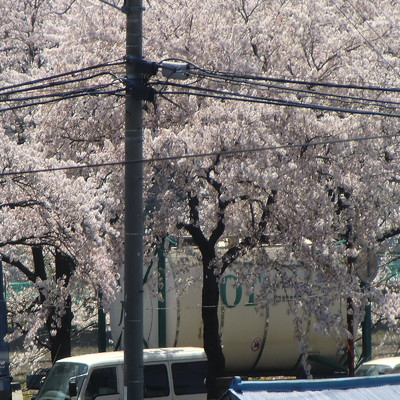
(249, 77)
(201, 155)
(5, 95)
(303, 92)
(72, 95)
(380, 55)
(234, 96)
(63, 94)
(63, 74)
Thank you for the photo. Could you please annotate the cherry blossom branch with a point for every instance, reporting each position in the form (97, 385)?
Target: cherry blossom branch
(18, 264)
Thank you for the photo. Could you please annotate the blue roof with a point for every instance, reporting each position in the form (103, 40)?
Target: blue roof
(369, 388)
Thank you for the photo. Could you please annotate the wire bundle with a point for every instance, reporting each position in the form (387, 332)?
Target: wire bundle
(71, 84)
(284, 92)
(211, 84)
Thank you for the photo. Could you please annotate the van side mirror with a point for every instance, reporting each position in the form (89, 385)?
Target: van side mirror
(72, 389)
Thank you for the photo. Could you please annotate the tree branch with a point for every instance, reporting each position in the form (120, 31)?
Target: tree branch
(18, 264)
(22, 204)
(234, 252)
(193, 227)
(389, 234)
(113, 5)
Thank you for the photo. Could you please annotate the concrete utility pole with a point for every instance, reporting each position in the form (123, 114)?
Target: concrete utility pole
(5, 388)
(133, 267)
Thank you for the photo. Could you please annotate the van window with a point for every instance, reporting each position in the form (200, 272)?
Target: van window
(189, 377)
(102, 382)
(155, 381)
(56, 384)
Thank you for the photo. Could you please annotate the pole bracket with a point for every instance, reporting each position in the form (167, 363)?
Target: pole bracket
(126, 8)
(142, 67)
(139, 91)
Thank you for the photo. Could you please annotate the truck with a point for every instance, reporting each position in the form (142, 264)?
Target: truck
(258, 338)
(169, 374)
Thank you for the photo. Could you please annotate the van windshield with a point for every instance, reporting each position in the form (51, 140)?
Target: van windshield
(57, 381)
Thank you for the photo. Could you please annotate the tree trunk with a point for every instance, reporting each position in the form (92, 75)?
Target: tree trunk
(39, 265)
(40, 268)
(60, 336)
(350, 340)
(60, 340)
(212, 340)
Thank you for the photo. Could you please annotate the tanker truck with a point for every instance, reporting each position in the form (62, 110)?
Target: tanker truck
(256, 339)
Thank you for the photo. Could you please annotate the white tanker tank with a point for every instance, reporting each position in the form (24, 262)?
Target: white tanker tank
(255, 340)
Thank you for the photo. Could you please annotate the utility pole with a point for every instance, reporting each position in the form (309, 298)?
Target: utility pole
(162, 313)
(134, 219)
(137, 73)
(5, 385)
(101, 326)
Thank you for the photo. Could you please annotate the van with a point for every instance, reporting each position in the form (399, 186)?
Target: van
(169, 374)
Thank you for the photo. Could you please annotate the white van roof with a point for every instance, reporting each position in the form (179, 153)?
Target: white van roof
(149, 355)
(384, 361)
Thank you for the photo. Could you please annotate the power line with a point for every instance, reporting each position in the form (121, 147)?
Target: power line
(82, 93)
(86, 89)
(367, 23)
(4, 95)
(224, 95)
(7, 92)
(383, 13)
(196, 71)
(257, 82)
(200, 72)
(63, 74)
(311, 93)
(380, 55)
(200, 155)
(202, 92)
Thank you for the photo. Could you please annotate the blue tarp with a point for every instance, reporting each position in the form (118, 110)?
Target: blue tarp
(385, 387)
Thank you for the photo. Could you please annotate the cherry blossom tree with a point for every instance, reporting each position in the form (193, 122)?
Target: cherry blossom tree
(326, 202)
(61, 230)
